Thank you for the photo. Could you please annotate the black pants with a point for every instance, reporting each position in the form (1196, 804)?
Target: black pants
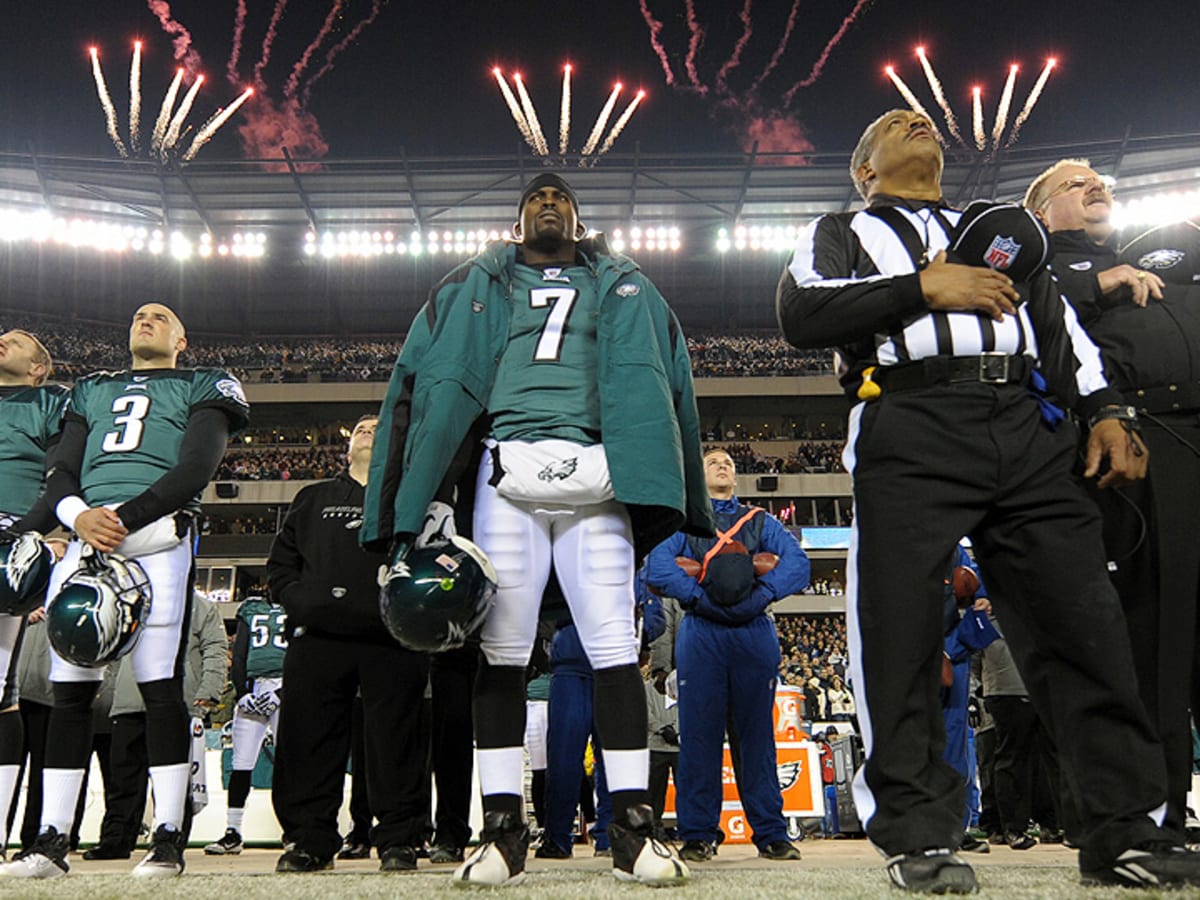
(1152, 535)
(452, 678)
(929, 466)
(322, 676)
(125, 792)
(985, 756)
(1015, 759)
(662, 764)
(360, 806)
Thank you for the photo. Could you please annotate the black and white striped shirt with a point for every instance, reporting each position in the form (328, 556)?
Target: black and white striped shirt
(852, 284)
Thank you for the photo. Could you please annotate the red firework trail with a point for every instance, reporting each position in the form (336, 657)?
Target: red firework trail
(783, 41)
(239, 26)
(824, 57)
(694, 43)
(736, 58)
(338, 48)
(183, 38)
(293, 82)
(268, 40)
(655, 27)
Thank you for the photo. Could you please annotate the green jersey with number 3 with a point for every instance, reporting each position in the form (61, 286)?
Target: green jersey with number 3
(136, 421)
(546, 383)
(267, 623)
(29, 416)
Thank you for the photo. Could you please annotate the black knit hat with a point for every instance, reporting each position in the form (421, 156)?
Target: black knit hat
(547, 179)
(1001, 236)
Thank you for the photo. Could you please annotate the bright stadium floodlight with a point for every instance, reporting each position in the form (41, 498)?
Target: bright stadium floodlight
(1156, 209)
(41, 228)
(758, 238)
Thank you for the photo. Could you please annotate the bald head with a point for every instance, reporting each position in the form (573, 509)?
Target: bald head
(156, 337)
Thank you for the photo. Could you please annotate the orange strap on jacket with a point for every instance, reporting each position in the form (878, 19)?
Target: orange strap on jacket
(724, 538)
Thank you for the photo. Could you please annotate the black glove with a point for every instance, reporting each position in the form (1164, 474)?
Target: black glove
(730, 577)
(669, 734)
(974, 713)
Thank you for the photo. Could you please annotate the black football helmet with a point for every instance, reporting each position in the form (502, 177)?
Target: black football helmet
(98, 613)
(25, 564)
(434, 598)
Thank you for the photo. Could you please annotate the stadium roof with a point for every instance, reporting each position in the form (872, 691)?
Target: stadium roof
(289, 291)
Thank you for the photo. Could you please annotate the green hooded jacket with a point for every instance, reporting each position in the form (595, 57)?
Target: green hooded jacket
(432, 419)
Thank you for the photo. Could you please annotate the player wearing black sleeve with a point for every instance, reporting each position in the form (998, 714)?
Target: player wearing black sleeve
(30, 410)
(136, 449)
(946, 439)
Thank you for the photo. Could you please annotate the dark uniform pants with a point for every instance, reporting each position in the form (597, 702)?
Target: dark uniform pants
(1152, 536)
(321, 676)
(452, 678)
(929, 466)
(727, 675)
(570, 725)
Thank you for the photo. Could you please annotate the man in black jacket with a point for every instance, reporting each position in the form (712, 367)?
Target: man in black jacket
(339, 644)
(1149, 333)
(945, 440)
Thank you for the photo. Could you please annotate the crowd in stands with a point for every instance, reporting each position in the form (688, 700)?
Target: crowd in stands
(80, 349)
(813, 657)
(214, 524)
(812, 456)
(722, 355)
(300, 464)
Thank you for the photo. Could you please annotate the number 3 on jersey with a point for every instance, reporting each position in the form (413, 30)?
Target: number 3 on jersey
(131, 412)
(560, 300)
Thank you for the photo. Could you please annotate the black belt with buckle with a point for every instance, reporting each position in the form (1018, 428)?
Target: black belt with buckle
(1172, 398)
(987, 368)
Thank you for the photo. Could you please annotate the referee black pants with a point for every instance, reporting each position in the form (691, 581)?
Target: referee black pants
(321, 676)
(1152, 538)
(931, 465)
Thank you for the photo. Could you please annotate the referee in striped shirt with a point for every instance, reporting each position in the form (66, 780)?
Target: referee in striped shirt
(946, 439)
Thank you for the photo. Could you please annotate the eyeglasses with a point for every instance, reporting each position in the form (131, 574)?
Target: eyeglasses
(1081, 182)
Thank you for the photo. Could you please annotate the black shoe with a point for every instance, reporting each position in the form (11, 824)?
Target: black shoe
(1051, 836)
(697, 851)
(1156, 865)
(165, 857)
(500, 857)
(228, 845)
(297, 860)
(106, 851)
(440, 854)
(398, 859)
(639, 855)
(45, 858)
(549, 849)
(972, 844)
(778, 850)
(354, 849)
(1020, 841)
(937, 871)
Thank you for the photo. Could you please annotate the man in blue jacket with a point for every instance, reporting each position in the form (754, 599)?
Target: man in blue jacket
(561, 365)
(727, 653)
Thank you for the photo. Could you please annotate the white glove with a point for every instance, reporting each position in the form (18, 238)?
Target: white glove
(260, 706)
(438, 526)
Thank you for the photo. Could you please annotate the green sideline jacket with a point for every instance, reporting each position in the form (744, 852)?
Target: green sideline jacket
(430, 424)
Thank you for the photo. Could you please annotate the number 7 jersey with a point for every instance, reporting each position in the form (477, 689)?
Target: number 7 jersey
(546, 383)
(136, 421)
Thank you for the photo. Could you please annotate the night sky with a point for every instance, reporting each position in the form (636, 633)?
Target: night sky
(419, 75)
